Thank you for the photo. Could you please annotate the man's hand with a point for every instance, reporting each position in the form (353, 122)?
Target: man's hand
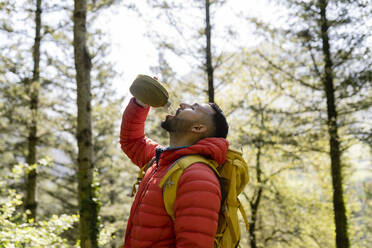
(143, 105)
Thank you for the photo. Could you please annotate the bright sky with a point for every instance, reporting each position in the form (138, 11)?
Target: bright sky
(133, 53)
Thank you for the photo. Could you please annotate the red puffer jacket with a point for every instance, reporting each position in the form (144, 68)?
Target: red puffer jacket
(198, 193)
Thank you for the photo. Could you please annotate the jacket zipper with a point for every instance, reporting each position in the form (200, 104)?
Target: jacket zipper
(142, 192)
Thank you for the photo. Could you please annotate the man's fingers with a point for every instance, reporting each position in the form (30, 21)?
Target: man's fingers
(144, 105)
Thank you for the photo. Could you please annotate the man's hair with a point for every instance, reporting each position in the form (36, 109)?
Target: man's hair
(220, 122)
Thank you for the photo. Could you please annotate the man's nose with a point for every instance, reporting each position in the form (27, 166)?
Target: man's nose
(185, 105)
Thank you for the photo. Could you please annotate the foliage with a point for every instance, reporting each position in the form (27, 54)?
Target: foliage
(315, 59)
(16, 230)
(271, 94)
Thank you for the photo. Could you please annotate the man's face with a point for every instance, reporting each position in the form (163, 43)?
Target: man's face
(188, 115)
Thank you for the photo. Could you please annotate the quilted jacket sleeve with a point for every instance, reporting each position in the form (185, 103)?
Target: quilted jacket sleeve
(196, 207)
(133, 141)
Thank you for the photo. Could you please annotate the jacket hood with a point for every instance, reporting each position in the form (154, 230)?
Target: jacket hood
(213, 148)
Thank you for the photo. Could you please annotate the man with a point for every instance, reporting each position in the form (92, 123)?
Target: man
(194, 129)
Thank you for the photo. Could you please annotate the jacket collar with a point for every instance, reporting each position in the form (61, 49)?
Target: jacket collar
(213, 148)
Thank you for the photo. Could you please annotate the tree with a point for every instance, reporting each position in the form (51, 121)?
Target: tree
(191, 42)
(342, 238)
(329, 41)
(30, 201)
(208, 51)
(57, 113)
(17, 230)
(22, 93)
(290, 192)
(88, 208)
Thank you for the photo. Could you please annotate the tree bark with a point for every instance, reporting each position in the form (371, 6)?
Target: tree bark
(208, 52)
(342, 239)
(256, 200)
(30, 198)
(88, 207)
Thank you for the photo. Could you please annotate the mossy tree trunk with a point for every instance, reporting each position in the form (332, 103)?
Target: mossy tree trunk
(342, 239)
(34, 84)
(88, 207)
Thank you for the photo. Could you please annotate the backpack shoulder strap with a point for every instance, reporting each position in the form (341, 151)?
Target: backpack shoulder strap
(141, 174)
(169, 182)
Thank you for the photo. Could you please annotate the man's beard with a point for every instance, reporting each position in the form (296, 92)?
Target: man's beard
(175, 125)
(166, 125)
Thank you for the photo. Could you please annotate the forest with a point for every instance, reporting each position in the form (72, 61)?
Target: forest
(293, 77)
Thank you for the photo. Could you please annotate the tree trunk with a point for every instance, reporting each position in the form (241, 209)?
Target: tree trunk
(88, 207)
(208, 53)
(256, 200)
(342, 239)
(30, 199)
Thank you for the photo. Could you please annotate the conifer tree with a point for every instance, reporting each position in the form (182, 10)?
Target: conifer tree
(88, 207)
(342, 238)
(197, 46)
(30, 201)
(21, 90)
(321, 47)
(274, 139)
(208, 51)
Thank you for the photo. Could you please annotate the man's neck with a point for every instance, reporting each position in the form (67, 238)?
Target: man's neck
(180, 139)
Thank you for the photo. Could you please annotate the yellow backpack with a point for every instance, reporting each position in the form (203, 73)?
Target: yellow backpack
(234, 176)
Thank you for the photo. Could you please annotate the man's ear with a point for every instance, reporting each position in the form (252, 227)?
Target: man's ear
(199, 128)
